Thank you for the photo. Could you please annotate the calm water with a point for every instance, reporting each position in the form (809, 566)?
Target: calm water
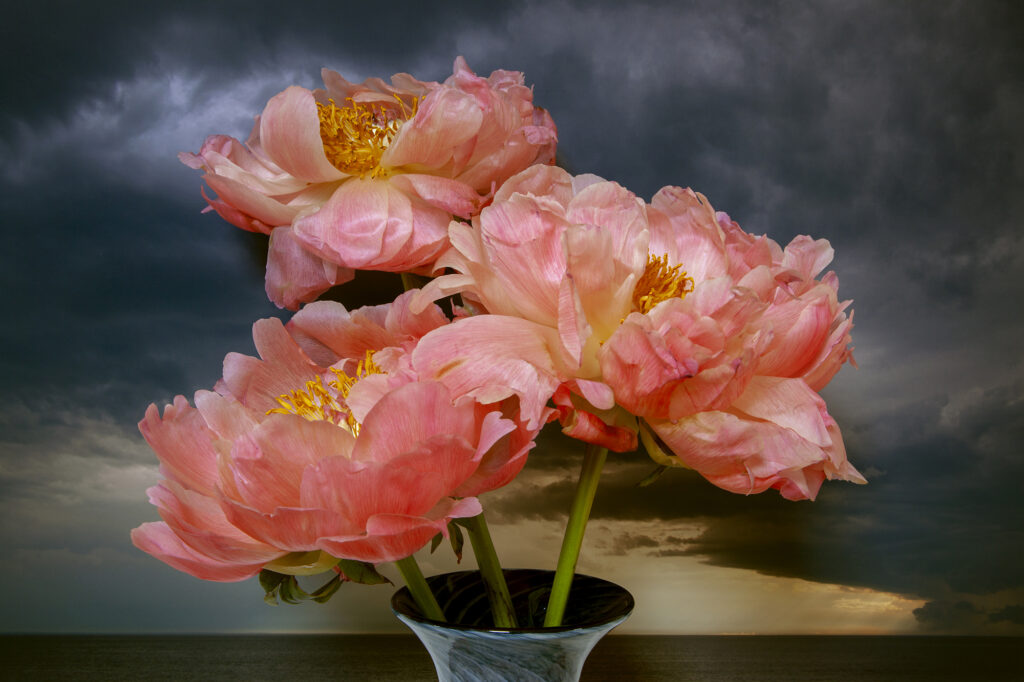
(401, 658)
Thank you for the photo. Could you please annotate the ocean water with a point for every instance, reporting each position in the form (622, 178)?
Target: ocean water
(400, 658)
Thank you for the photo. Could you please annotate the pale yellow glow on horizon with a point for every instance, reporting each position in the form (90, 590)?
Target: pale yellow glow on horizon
(683, 595)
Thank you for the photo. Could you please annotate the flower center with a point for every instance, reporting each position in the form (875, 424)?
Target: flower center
(660, 282)
(317, 402)
(356, 136)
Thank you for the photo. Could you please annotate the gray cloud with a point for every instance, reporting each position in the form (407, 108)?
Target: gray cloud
(945, 616)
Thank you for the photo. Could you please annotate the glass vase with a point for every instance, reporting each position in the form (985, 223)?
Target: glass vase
(469, 648)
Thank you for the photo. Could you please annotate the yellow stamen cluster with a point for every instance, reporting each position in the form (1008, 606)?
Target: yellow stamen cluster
(314, 403)
(317, 403)
(365, 368)
(660, 282)
(355, 136)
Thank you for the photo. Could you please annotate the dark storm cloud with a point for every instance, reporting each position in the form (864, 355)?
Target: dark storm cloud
(945, 616)
(77, 50)
(942, 616)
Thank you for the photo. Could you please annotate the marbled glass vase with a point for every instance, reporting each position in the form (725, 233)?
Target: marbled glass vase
(469, 648)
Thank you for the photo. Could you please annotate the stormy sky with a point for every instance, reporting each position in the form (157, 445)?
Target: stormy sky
(891, 129)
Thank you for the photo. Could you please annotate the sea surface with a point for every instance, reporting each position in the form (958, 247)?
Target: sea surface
(308, 658)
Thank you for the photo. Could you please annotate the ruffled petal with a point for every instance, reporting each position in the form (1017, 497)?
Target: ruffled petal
(295, 529)
(290, 135)
(412, 414)
(490, 358)
(267, 210)
(284, 368)
(390, 537)
(199, 523)
(294, 275)
(366, 222)
(445, 119)
(451, 196)
(182, 441)
(585, 425)
(158, 540)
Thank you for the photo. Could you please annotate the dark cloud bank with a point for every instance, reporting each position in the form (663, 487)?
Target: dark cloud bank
(891, 129)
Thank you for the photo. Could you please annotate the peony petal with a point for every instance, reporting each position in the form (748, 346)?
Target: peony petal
(228, 419)
(365, 222)
(410, 483)
(807, 256)
(293, 529)
(684, 226)
(158, 540)
(251, 203)
(290, 135)
(286, 446)
(539, 180)
(199, 523)
(770, 450)
(284, 368)
(590, 428)
(790, 403)
(181, 439)
(411, 414)
(491, 358)
(597, 393)
(390, 537)
(445, 119)
(800, 329)
(502, 461)
(453, 197)
(294, 275)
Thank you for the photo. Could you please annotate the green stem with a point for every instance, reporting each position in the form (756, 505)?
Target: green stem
(417, 584)
(490, 570)
(593, 461)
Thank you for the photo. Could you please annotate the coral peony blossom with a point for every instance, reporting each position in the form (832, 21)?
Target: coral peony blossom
(369, 175)
(356, 459)
(666, 311)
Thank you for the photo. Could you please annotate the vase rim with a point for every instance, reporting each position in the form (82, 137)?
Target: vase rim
(616, 615)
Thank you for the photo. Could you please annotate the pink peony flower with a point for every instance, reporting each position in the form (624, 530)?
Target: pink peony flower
(731, 393)
(667, 312)
(368, 176)
(356, 459)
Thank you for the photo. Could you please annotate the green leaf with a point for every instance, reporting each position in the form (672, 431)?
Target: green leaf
(361, 572)
(435, 542)
(286, 588)
(290, 592)
(327, 590)
(457, 540)
(271, 583)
